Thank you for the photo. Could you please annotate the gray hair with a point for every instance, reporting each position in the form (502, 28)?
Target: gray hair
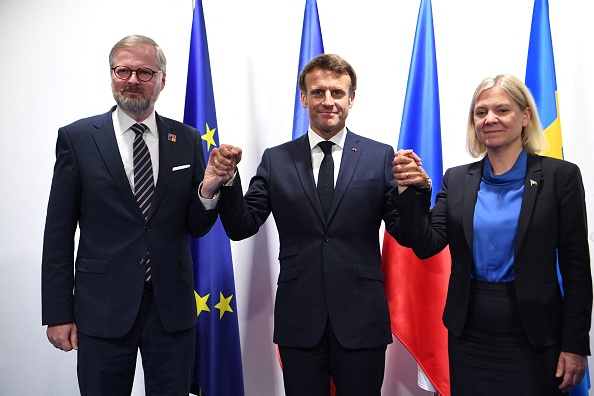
(136, 40)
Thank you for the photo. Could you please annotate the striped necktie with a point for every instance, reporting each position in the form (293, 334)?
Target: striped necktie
(144, 185)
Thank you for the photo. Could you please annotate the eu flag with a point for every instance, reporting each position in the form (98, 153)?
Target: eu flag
(218, 369)
(542, 82)
(417, 291)
(311, 46)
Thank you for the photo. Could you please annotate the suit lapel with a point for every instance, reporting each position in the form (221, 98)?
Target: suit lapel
(471, 186)
(167, 150)
(351, 154)
(350, 158)
(532, 185)
(301, 152)
(104, 137)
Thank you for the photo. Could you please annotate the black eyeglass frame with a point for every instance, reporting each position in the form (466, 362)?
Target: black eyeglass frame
(135, 72)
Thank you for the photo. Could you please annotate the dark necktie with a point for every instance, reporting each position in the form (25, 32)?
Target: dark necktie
(144, 185)
(326, 177)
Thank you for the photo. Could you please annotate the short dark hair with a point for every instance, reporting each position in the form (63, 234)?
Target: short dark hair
(330, 62)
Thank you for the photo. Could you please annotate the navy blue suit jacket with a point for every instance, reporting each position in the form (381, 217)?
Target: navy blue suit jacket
(328, 269)
(102, 291)
(552, 221)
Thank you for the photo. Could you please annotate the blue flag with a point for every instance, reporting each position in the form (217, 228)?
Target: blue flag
(420, 129)
(218, 369)
(541, 78)
(542, 82)
(311, 46)
(417, 291)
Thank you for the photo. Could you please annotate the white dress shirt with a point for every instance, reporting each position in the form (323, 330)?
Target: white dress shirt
(125, 138)
(317, 155)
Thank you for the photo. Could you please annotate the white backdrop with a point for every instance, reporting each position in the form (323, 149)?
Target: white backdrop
(55, 70)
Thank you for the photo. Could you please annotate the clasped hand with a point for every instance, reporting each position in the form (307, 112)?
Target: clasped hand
(408, 171)
(220, 168)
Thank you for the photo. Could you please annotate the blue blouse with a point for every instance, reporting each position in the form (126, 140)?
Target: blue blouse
(496, 214)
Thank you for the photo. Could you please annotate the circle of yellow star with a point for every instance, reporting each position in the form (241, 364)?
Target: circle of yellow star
(209, 137)
(201, 303)
(224, 305)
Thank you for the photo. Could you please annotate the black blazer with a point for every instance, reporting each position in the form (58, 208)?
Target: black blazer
(552, 219)
(328, 269)
(102, 291)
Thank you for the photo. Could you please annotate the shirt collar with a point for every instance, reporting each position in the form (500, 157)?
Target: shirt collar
(125, 122)
(516, 174)
(337, 139)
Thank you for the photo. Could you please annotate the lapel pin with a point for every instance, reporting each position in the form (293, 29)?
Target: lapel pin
(533, 183)
(354, 149)
(171, 137)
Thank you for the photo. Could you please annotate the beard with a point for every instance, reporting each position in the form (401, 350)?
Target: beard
(134, 106)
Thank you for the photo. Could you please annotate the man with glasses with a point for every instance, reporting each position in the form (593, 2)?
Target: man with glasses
(128, 180)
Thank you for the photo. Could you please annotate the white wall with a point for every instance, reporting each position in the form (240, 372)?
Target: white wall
(54, 70)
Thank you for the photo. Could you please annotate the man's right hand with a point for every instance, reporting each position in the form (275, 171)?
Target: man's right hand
(64, 336)
(220, 169)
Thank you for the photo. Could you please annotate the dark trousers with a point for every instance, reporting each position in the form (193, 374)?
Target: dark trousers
(355, 372)
(106, 366)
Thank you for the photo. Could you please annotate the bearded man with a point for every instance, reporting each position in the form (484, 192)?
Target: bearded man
(129, 181)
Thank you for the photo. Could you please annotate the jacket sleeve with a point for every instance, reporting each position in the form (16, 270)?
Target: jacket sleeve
(57, 267)
(241, 215)
(574, 263)
(199, 220)
(420, 228)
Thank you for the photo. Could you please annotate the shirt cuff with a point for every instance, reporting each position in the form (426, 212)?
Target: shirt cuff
(211, 203)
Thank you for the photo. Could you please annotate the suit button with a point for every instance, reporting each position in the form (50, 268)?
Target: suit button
(326, 238)
(141, 262)
(147, 228)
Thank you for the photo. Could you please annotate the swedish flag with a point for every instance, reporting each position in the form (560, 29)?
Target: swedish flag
(542, 82)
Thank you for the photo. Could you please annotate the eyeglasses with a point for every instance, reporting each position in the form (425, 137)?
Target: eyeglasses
(143, 74)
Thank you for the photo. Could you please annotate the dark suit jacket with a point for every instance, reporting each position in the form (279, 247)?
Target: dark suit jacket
(328, 269)
(552, 219)
(90, 189)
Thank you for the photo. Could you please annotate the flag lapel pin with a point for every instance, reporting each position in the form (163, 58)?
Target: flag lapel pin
(171, 137)
(533, 183)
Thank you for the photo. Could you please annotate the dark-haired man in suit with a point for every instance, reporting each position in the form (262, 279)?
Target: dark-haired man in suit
(331, 312)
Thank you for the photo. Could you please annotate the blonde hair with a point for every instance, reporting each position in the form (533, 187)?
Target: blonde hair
(533, 139)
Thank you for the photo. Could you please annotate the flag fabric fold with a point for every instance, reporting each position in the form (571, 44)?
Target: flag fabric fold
(416, 289)
(542, 82)
(311, 46)
(218, 367)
